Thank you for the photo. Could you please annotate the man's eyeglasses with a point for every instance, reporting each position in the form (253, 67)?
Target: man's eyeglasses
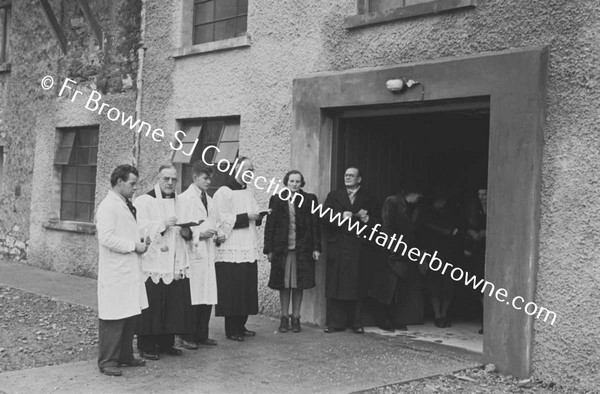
(167, 179)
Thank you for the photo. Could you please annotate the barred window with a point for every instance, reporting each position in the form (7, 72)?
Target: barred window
(5, 19)
(77, 155)
(216, 20)
(224, 133)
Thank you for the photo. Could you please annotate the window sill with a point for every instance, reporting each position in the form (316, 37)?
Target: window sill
(71, 226)
(5, 68)
(410, 11)
(215, 46)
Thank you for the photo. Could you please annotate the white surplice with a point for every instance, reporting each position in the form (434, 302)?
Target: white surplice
(200, 253)
(165, 258)
(240, 245)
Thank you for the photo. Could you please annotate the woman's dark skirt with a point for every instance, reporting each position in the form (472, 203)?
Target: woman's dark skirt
(237, 289)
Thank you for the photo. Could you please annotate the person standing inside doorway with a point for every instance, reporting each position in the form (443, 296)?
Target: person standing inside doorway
(476, 237)
(292, 245)
(121, 292)
(440, 231)
(348, 254)
(392, 271)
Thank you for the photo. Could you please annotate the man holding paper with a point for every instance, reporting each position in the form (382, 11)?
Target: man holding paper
(194, 205)
(237, 254)
(166, 270)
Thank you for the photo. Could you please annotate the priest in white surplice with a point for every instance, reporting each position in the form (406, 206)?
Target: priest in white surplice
(195, 205)
(237, 275)
(165, 268)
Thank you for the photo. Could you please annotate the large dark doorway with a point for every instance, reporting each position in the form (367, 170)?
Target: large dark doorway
(440, 152)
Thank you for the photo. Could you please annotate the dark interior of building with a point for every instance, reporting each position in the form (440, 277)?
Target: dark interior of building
(438, 152)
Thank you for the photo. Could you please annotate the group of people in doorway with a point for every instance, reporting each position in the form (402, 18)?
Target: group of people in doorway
(166, 259)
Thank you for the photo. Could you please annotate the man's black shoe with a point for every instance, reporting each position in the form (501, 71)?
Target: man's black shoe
(330, 330)
(208, 342)
(173, 351)
(111, 371)
(237, 338)
(248, 333)
(136, 362)
(358, 330)
(150, 356)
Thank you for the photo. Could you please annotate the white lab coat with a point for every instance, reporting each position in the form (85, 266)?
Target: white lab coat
(121, 289)
(200, 253)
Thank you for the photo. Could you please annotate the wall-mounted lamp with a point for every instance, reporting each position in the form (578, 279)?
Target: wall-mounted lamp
(399, 85)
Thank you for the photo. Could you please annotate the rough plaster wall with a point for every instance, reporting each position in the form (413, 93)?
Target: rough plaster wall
(64, 251)
(111, 71)
(157, 90)
(20, 112)
(254, 83)
(292, 39)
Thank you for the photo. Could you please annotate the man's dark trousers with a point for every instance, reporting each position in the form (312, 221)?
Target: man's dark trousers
(235, 325)
(202, 315)
(115, 341)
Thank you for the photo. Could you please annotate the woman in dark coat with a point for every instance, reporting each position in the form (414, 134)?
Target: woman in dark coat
(292, 244)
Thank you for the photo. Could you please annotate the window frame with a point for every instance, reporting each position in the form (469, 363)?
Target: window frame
(187, 162)
(214, 21)
(73, 164)
(186, 40)
(5, 30)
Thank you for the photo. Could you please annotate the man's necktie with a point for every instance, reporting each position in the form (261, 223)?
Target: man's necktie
(131, 208)
(204, 201)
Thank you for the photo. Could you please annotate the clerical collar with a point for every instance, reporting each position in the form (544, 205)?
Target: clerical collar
(153, 194)
(235, 185)
(352, 190)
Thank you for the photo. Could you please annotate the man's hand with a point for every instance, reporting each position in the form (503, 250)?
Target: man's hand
(364, 218)
(170, 222)
(186, 233)
(221, 239)
(254, 215)
(208, 233)
(347, 214)
(141, 247)
(270, 256)
(316, 255)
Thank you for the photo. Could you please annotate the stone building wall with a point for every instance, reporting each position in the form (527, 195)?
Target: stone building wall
(290, 39)
(31, 115)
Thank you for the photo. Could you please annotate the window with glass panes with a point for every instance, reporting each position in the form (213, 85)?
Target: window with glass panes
(5, 19)
(216, 20)
(77, 156)
(224, 133)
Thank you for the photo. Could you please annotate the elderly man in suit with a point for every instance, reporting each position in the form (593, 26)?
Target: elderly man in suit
(348, 254)
(121, 291)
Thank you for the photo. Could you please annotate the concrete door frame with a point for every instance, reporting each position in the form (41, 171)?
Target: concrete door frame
(515, 82)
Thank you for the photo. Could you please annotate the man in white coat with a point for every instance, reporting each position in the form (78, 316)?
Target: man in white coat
(121, 291)
(195, 205)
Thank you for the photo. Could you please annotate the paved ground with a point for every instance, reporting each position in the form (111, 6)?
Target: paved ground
(311, 361)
